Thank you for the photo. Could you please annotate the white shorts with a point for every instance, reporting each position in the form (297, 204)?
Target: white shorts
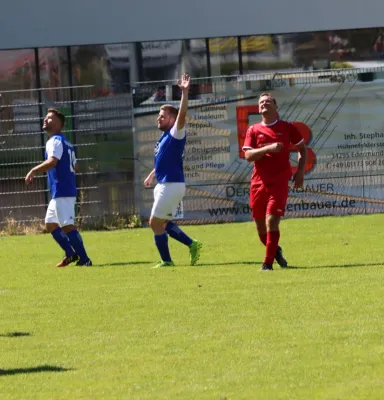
(167, 199)
(61, 211)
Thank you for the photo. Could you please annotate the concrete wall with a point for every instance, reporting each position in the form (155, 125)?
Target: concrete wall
(38, 23)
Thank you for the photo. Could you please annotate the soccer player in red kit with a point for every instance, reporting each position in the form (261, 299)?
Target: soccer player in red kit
(267, 145)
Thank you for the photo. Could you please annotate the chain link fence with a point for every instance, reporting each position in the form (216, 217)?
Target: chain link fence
(114, 137)
(101, 129)
(330, 109)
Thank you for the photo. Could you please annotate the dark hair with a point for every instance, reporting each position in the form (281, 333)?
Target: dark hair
(58, 114)
(269, 95)
(171, 109)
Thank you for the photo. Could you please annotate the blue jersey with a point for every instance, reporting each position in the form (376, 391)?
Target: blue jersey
(169, 153)
(61, 179)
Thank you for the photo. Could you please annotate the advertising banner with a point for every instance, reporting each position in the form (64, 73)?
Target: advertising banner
(343, 128)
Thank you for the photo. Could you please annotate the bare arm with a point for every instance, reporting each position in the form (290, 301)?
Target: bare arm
(298, 178)
(183, 84)
(252, 155)
(43, 167)
(46, 165)
(149, 178)
(301, 156)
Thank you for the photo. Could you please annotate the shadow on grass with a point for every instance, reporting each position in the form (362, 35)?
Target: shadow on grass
(15, 334)
(297, 267)
(230, 263)
(335, 266)
(32, 370)
(123, 264)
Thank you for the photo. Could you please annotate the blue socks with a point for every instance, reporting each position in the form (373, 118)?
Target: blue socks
(162, 245)
(63, 241)
(77, 243)
(176, 233)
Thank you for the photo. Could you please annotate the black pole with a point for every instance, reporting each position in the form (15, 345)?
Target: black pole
(240, 53)
(41, 116)
(73, 121)
(139, 61)
(71, 96)
(208, 57)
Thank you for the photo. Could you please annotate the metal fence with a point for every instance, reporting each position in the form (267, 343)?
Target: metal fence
(100, 129)
(114, 136)
(338, 112)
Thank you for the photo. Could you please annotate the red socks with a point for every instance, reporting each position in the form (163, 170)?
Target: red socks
(272, 245)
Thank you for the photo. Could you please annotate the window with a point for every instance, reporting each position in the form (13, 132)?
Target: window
(266, 53)
(17, 69)
(161, 60)
(195, 58)
(309, 50)
(53, 66)
(224, 56)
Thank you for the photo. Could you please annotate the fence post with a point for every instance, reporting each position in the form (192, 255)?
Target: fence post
(41, 116)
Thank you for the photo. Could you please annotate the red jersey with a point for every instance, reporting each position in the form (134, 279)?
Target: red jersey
(273, 167)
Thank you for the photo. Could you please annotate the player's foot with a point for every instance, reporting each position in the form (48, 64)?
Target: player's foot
(67, 260)
(280, 259)
(86, 263)
(194, 251)
(162, 264)
(266, 267)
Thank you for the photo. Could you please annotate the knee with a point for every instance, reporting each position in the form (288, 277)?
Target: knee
(273, 222)
(50, 227)
(157, 225)
(261, 226)
(68, 228)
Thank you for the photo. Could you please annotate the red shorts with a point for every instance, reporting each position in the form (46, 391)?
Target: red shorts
(270, 199)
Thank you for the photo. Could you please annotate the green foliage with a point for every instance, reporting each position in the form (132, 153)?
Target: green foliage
(341, 65)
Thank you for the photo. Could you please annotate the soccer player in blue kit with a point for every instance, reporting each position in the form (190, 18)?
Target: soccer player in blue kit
(61, 166)
(169, 173)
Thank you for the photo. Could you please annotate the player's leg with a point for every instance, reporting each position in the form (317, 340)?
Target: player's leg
(261, 226)
(161, 212)
(178, 190)
(66, 216)
(53, 227)
(258, 201)
(278, 195)
(273, 236)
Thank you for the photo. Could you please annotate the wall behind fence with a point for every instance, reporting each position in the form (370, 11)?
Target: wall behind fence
(338, 113)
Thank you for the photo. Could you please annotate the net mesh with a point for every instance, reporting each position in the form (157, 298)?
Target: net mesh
(338, 113)
(100, 129)
(335, 111)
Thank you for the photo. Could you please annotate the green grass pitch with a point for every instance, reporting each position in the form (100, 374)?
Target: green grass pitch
(219, 330)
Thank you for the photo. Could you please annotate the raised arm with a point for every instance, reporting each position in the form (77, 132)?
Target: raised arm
(183, 84)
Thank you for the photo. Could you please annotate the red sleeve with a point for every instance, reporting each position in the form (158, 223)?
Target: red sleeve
(295, 136)
(250, 140)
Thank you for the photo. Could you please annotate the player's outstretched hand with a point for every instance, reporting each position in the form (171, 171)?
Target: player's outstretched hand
(29, 178)
(183, 83)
